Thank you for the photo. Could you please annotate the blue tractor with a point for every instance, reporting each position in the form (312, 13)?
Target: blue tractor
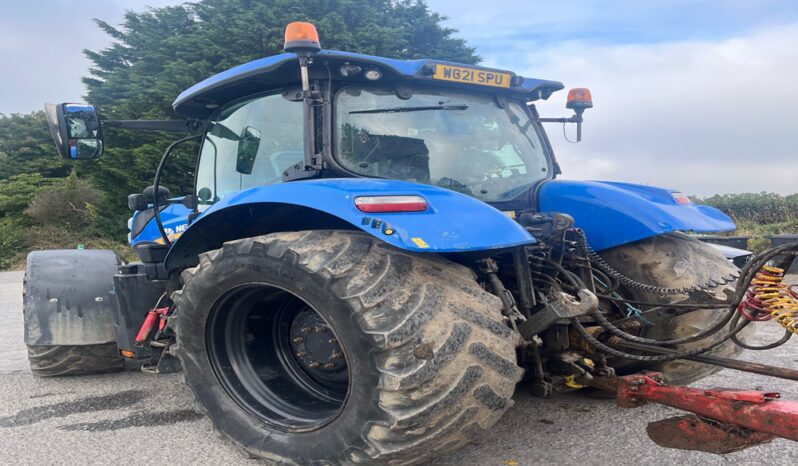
(375, 253)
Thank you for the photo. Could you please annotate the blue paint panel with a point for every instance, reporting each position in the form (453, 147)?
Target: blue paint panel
(453, 222)
(614, 213)
(282, 70)
(174, 218)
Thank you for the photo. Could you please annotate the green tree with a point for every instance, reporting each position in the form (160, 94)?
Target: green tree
(160, 52)
(27, 147)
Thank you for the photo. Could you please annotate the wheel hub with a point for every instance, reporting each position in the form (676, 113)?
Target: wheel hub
(316, 348)
(277, 357)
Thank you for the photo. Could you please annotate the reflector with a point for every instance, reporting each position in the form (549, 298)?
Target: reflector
(680, 198)
(376, 204)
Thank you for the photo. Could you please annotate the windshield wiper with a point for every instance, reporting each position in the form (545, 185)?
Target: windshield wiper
(410, 109)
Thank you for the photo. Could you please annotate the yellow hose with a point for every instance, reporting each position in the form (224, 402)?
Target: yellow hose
(776, 297)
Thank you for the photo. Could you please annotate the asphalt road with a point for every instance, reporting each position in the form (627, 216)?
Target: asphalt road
(136, 418)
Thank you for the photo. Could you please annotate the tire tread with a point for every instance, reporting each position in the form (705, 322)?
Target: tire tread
(404, 301)
(66, 360)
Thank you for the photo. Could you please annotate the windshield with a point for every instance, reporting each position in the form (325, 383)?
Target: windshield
(463, 142)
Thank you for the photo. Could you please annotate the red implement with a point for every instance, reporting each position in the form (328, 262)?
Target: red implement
(748, 417)
(690, 432)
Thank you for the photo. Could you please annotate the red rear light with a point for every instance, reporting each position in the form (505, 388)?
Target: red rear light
(680, 198)
(377, 204)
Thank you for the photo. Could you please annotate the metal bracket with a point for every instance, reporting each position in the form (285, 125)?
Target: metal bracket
(560, 306)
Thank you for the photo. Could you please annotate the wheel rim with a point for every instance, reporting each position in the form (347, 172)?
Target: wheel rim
(277, 357)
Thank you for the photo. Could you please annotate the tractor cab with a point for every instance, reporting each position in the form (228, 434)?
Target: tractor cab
(312, 114)
(462, 128)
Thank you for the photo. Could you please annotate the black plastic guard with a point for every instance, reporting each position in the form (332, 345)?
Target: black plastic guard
(69, 297)
(137, 293)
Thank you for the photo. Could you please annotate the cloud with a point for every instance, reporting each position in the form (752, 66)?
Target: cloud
(509, 23)
(41, 44)
(701, 116)
(691, 94)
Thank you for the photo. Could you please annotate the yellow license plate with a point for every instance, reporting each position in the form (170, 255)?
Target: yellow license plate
(472, 76)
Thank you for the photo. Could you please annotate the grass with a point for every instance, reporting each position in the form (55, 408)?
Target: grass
(759, 232)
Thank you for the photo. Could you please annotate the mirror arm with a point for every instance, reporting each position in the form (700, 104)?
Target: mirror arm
(573, 119)
(177, 126)
(576, 118)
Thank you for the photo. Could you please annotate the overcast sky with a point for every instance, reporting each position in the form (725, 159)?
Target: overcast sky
(697, 95)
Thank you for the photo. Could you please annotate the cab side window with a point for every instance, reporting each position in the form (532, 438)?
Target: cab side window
(249, 144)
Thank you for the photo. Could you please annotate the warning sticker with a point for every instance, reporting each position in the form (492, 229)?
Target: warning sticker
(420, 243)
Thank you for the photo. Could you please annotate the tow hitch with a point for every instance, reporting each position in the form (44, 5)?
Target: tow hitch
(723, 421)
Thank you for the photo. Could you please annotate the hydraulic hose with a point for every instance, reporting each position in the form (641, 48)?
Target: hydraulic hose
(612, 329)
(660, 358)
(703, 334)
(767, 281)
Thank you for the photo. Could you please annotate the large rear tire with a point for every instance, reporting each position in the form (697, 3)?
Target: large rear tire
(331, 347)
(673, 261)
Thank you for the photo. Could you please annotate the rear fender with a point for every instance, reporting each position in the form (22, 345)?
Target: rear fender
(69, 297)
(613, 213)
(453, 222)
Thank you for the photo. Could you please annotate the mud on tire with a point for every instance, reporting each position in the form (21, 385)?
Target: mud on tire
(431, 363)
(74, 359)
(674, 261)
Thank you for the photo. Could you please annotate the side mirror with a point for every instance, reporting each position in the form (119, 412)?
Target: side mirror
(248, 144)
(76, 130)
(137, 202)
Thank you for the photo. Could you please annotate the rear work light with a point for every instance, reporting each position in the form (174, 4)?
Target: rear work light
(376, 204)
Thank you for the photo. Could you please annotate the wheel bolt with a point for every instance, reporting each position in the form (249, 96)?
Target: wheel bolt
(314, 365)
(299, 339)
(306, 330)
(333, 341)
(302, 354)
(329, 365)
(320, 329)
(337, 355)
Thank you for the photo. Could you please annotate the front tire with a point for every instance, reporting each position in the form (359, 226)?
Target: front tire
(428, 363)
(673, 261)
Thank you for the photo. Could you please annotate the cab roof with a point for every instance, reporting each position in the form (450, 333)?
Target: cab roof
(280, 71)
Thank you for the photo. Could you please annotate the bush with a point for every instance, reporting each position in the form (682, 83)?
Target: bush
(759, 208)
(14, 241)
(71, 205)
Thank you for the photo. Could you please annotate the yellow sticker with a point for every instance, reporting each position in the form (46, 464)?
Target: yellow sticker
(420, 243)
